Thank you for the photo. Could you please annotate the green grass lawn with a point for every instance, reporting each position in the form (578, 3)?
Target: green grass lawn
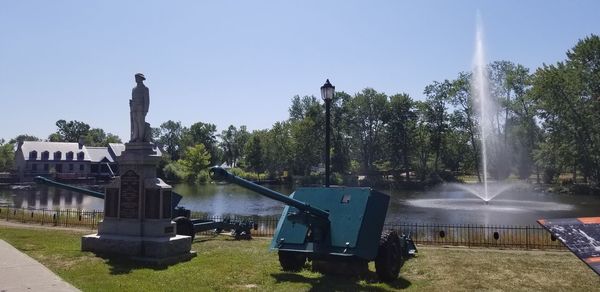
(224, 264)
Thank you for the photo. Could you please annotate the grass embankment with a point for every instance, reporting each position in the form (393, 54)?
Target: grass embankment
(225, 264)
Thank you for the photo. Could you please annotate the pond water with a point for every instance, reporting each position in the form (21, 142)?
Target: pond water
(446, 204)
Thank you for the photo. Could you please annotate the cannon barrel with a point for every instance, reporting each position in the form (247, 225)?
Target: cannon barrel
(43, 180)
(220, 174)
(175, 198)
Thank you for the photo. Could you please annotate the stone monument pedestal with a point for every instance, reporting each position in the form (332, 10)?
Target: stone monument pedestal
(137, 213)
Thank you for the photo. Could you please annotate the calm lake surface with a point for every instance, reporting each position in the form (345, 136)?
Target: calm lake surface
(447, 204)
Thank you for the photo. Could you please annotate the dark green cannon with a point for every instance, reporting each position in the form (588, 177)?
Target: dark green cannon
(240, 229)
(339, 229)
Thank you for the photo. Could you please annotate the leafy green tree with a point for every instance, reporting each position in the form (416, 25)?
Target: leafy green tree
(400, 132)
(306, 125)
(97, 137)
(422, 137)
(370, 110)
(170, 139)
(456, 150)
(206, 134)
(196, 160)
(240, 139)
(436, 115)
(567, 94)
(232, 144)
(69, 131)
(7, 156)
(278, 149)
(228, 145)
(341, 132)
(255, 160)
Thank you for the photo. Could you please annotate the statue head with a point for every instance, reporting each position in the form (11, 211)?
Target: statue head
(139, 77)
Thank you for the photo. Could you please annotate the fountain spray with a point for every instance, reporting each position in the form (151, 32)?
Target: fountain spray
(480, 89)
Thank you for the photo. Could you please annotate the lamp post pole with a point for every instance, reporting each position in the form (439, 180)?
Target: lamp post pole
(327, 92)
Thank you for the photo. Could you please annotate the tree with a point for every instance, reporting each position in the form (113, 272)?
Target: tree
(568, 97)
(436, 115)
(306, 127)
(7, 156)
(509, 83)
(203, 133)
(240, 139)
(170, 138)
(254, 152)
(228, 145)
(369, 115)
(69, 131)
(97, 137)
(24, 137)
(463, 117)
(195, 159)
(278, 148)
(400, 132)
(232, 144)
(422, 145)
(341, 132)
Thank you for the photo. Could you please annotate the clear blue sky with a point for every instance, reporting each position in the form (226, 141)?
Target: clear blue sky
(241, 62)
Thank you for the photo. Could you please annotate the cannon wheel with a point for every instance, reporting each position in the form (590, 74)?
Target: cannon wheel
(389, 258)
(184, 226)
(291, 261)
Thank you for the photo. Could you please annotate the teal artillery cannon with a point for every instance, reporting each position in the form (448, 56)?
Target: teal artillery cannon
(338, 229)
(240, 229)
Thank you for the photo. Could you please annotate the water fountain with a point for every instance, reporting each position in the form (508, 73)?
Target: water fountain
(469, 197)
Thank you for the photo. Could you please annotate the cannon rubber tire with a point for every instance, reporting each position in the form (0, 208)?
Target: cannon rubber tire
(184, 226)
(291, 261)
(389, 258)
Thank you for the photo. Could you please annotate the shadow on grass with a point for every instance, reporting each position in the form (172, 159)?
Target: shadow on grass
(124, 265)
(340, 283)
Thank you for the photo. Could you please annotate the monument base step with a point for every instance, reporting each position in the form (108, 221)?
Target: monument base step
(152, 250)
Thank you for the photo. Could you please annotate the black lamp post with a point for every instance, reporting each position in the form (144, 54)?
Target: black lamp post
(327, 92)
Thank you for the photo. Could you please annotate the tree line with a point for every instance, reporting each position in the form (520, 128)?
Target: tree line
(546, 123)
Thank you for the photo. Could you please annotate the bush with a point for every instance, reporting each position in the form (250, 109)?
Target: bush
(174, 172)
(202, 177)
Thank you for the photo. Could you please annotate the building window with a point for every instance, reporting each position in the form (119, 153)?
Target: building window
(71, 165)
(70, 155)
(34, 167)
(33, 155)
(46, 167)
(80, 155)
(45, 155)
(81, 167)
(57, 155)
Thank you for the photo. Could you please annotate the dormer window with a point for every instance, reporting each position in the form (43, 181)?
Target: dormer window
(57, 155)
(33, 155)
(45, 155)
(80, 155)
(70, 155)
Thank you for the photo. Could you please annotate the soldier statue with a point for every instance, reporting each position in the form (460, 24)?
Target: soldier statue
(139, 104)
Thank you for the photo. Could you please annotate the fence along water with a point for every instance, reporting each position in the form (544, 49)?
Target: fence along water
(492, 236)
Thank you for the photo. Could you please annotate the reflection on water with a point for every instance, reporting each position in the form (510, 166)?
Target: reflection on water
(222, 199)
(44, 197)
(446, 204)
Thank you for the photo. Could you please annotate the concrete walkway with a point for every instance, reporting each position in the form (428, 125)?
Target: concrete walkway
(19, 272)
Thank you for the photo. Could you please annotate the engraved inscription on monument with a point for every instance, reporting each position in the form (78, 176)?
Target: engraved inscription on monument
(130, 195)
